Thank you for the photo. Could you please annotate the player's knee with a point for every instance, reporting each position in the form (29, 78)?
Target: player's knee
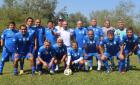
(55, 61)
(81, 62)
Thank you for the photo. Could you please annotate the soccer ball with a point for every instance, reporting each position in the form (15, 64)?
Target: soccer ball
(67, 72)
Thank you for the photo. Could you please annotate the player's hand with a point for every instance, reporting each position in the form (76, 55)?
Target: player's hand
(72, 62)
(16, 55)
(102, 57)
(35, 48)
(121, 56)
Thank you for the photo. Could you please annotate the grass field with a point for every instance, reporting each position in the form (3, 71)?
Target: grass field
(80, 78)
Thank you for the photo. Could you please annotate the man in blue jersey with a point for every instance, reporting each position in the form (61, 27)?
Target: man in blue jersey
(23, 42)
(8, 44)
(51, 33)
(97, 30)
(91, 45)
(75, 57)
(46, 57)
(98, 33)
(109, 47)
(79, 34)
(61, 53)
(130, 41)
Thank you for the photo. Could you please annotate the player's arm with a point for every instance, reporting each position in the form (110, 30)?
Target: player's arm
(101, 47)
(2, 38)
(2, 42)
(68, 59)
(35, 41)
(65, 55)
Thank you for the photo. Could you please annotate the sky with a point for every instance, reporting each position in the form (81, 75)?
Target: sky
(87, 6)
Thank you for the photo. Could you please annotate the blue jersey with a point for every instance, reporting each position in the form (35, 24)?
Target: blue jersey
(130, 42)
(23, 43)
(8, 36)
(75, 54)
(32, 33)
(111, 46)
(40, 34)
(60, 51)
(50, 36)
(90, 44)
(79, 34)
(98, 32)
(46, 54)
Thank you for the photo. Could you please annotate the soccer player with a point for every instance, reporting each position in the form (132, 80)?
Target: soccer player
(98, 33)
(46, 57)
(121, 30)
(130, 41)
(51, 33)
(61, 53)
(97, 30)
(75, 57)
(23, 42)
(91, 45)
(79, 34)
(8, 44)
(107, 27)
(111, 46)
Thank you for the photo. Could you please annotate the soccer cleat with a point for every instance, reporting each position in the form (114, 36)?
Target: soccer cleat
(51, 72)
(16, 74)
(21, 72)
(57, 68)
(90, 68)
(39, 72)
(1, 73)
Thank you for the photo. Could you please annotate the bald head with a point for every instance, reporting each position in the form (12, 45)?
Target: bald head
(79, 24)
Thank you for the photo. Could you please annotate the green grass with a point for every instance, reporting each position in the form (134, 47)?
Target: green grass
(80, 78)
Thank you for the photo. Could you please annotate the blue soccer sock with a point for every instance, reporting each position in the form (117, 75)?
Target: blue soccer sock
(90, 63)
(121, 65)
(15, 71)
(127, 63)
(33, 69)
(21, 65)
(39, 67)
(53, 67)
(1, 66)
(105, 62)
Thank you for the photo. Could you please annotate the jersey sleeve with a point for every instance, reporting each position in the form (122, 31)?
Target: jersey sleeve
(40, 52)
(3, 35)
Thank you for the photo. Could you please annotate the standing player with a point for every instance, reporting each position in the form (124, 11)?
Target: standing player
(59, 27)
(50, 33)
(75, 57)
(130, 41)
(23, 42)
(61, 53)
(79, 34)
(46, 57)
(99, 34)
(8, 44)
(65, 34)
(91, 45)
(110, 47)
(107, 27)
(121, 30)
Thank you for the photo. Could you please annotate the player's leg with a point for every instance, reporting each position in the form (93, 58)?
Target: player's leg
(51, 66)
(104, 59)
(31, 58)
(5, 55)
(127, 60)
(121, 62)
(39, 66)
(16, 59)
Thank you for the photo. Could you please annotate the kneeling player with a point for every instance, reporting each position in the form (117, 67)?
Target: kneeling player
(75, 57)
(130, 42)
(91, 45)
(112, 47)
(46, 57)
(61, 53)
(23, 42)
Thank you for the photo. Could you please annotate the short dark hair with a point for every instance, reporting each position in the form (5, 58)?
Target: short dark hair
(12, 22)
(23, 25)
(110, 32)
(129, 29)
(28, 18)
(50, 22)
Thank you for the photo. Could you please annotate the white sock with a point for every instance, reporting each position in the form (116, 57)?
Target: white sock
(99, 65)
